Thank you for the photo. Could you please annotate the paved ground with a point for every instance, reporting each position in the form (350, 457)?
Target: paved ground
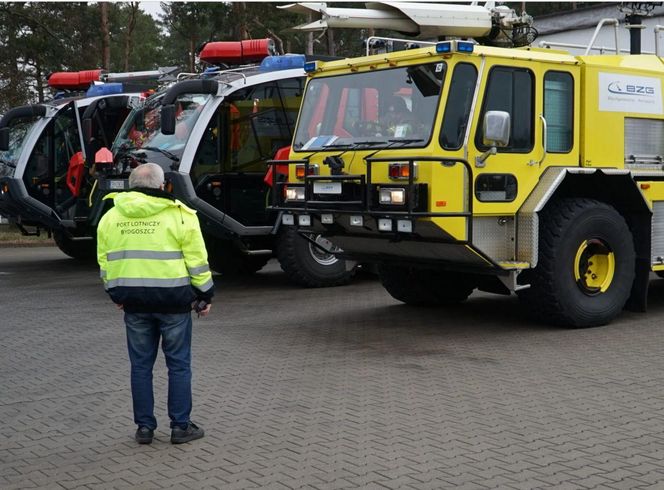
(327, 389)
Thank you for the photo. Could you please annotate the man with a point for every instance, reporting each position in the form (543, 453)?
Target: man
(154, 266)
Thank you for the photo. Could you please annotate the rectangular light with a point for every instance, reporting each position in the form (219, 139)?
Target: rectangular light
(300, 169)
(444, 47)
(310, 66)
(356, 221)
(295, 193)
(465, 46)
(405, 226)
(385, 224)
(304, 220)
(392, 195)
(327, 219)
(288, 219)
(401, 171)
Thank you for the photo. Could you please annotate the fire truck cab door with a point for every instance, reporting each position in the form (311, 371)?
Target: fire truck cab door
(539, 98)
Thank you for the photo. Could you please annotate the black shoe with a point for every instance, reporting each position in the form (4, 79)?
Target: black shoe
(144, 435)
(191, 433)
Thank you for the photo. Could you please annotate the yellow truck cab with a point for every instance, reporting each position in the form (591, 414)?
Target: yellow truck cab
(508, 170)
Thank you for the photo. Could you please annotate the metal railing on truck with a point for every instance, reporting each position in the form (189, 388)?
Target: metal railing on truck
(365, 203)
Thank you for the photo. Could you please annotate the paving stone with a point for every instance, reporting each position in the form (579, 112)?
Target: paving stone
(327, 389)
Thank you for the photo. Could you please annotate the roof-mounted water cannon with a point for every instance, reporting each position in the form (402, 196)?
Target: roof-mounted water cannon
(73, 80)
(236, 52)
(488, 24)
(100, 82)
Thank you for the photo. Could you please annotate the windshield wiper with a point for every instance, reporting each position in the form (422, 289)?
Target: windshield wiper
(354, 145)
(166, 153)
(9, 163)
(405, 141)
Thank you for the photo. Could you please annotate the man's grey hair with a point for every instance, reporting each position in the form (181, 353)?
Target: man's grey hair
(148, 175)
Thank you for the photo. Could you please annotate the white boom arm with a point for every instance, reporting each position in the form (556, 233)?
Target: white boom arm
(420, 20)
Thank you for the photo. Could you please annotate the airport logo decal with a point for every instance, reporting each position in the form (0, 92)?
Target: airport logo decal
(624, 93)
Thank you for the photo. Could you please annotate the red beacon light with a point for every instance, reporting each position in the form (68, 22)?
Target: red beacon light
(73, 80)
(237, 52)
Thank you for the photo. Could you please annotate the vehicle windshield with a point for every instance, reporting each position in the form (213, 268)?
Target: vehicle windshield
(379, 108)
(141, 139)
(18, 134)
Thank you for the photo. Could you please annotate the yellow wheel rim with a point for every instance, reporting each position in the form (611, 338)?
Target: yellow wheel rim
(594, 266)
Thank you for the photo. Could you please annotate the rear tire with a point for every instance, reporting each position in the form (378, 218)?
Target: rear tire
(307, 265)
(586, 265)
(424, 287)
(84, 250)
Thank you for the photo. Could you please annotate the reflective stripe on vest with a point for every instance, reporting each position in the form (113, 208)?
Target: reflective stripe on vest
(207, 285)
(198, 270)
(143, 254)
(148, 283)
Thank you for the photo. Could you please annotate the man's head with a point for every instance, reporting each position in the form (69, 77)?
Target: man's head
(148, 175)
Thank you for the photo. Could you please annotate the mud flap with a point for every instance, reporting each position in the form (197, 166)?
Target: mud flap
(638, 298)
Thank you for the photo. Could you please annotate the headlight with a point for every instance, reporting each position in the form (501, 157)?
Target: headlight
(392, 196)
(295, 193)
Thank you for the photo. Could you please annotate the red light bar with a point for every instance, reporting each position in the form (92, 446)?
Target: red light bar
(237, 52)
(73, 80)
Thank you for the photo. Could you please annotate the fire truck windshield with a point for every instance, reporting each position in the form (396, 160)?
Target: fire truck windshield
(18, 135)
(141, 138)
(373, 108)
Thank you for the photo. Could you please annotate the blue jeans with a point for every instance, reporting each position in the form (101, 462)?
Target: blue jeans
(143, 333)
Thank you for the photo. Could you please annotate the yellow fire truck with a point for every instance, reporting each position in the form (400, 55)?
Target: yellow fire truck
(457, 167)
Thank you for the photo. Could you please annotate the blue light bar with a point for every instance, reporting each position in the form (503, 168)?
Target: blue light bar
(105, 89)
(455, 47)
(444, 47)
(465, 46)
(284, 62)
(310, 66)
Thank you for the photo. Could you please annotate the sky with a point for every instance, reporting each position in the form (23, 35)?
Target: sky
(152, 7)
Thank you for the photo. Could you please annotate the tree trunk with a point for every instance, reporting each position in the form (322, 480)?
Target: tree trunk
(133, 12)
(40, 83)
(240, 14)
(309, 46)
(192, 54)
(331, 47)
(105, 37)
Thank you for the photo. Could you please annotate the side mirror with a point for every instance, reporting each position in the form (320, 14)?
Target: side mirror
(87, 130)
(168, 119)
(496, 129)
(4, 139)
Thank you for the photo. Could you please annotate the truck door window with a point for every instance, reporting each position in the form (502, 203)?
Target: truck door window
(511, 90)
(291, 91)
(457, 107)
(18, 133)
(47, 166)
(559, 111)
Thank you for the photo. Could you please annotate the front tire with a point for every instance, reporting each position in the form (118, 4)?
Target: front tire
(424, 287)
(309, 266)
(225, 258)
(83, 250)
(586, 265)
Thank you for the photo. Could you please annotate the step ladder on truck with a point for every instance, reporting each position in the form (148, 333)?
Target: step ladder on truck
(213, 133)
(46, 171)
(470, 166)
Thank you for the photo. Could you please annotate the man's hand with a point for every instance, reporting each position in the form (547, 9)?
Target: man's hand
(205, 311)
(201, 311)
(119, 307)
